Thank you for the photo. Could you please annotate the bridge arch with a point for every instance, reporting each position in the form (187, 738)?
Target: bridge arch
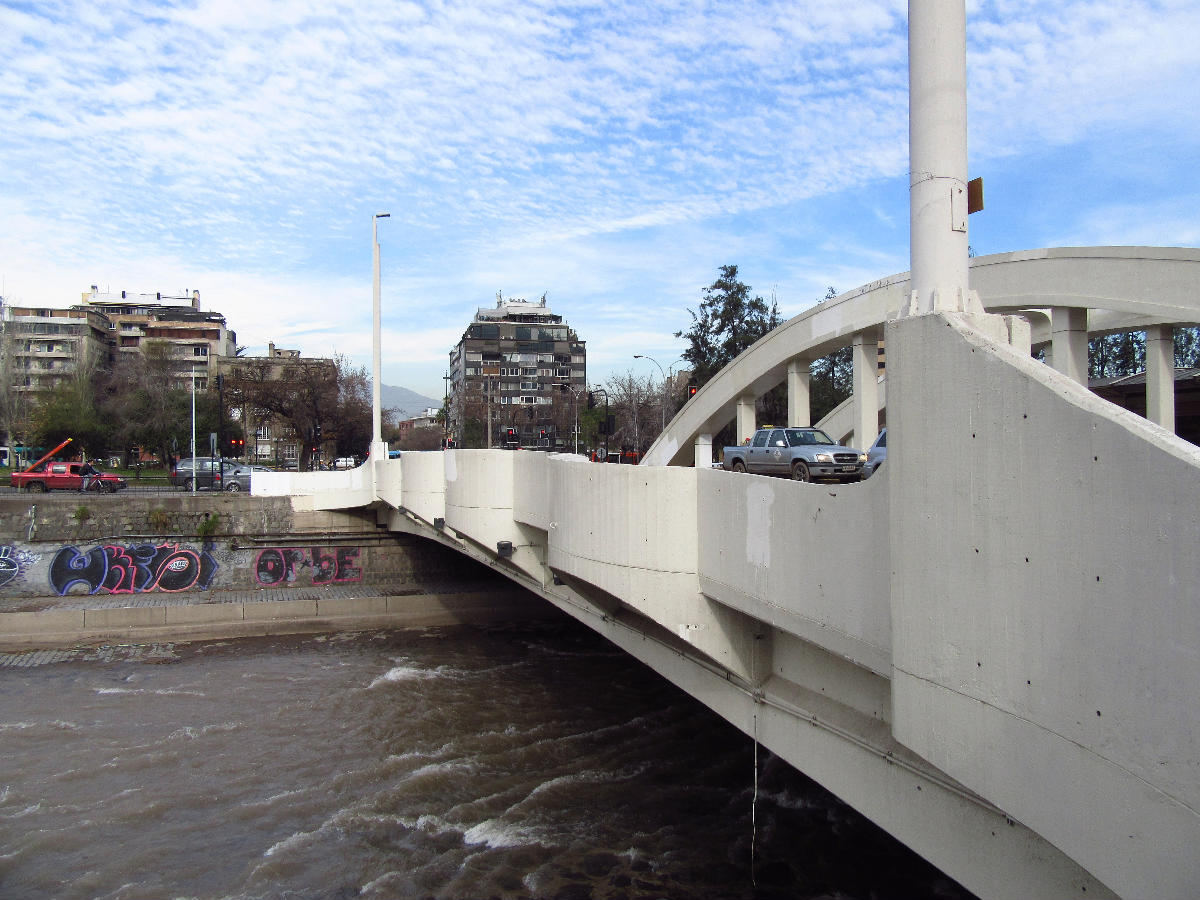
(1087, 291)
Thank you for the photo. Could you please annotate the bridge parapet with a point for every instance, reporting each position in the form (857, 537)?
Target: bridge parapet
(1043, 596)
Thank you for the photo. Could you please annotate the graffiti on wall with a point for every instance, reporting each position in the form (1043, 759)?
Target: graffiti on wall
(132, 569)
(285, 565)
(13, 563)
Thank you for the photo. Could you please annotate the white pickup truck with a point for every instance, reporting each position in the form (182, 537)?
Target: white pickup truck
(803, 454)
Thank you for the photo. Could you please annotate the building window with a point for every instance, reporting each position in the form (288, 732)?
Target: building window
(200, 350)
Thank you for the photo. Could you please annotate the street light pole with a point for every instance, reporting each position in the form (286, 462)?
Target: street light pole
(664, 378)
(378, 450)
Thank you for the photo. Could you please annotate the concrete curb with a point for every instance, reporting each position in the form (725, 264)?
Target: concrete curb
(208, 621)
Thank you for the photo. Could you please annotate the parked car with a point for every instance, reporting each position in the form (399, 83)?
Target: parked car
(803, 454)
(239, 475)
(63, 476)
(876, 455)
(204, 471)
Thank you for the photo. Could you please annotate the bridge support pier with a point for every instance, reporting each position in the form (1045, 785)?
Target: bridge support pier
(1160, 376)
(1069, 342)
(746, 423)
(799, 385)
(866, 389)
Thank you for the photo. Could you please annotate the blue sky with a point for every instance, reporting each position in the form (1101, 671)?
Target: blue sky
(609, 154)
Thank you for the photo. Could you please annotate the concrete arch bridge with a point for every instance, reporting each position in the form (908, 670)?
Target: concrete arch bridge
(991, 648)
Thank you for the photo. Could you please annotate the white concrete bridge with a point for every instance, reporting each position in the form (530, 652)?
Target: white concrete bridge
(991, 648)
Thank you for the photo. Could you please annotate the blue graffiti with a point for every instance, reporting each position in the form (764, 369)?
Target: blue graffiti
(133, 569)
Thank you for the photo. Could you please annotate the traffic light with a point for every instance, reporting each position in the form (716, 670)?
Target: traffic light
(236, 446)
(692, 388)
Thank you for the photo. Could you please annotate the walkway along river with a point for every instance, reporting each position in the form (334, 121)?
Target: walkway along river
(515, 761)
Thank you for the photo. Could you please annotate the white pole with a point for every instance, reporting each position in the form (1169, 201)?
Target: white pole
(378, 449)
(937, 135)
(195, 472)
(663, 373)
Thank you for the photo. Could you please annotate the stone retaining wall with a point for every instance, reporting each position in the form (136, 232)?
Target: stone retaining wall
(60, 543)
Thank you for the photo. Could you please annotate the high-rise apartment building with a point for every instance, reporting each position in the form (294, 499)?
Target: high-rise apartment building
(517, 378)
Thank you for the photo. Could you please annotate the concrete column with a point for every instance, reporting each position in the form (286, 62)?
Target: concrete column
(937, 140)
(799, 382)
(746, 421)
(866, 388)
(1160, 376)
(704, 454)
(1069, 342)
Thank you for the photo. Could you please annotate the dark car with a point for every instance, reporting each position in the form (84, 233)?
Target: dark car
(204, 472)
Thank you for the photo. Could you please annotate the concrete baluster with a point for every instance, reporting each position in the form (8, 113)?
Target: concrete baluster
(866, 388)
(799, 381)
(1160, 376)
(1069, 342)
(746, 422)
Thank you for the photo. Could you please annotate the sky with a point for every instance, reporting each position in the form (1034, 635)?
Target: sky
(611, 156)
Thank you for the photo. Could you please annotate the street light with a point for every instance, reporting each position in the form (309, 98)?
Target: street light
(664, 378)
(377, 366)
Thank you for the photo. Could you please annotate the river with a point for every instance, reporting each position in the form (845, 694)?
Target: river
(526, 761)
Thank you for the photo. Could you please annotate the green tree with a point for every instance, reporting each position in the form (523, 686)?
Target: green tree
(729, 320)
(69, 410)
(1116, 355)
(1187, 348)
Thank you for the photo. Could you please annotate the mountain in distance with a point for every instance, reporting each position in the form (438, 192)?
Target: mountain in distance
(408, 404)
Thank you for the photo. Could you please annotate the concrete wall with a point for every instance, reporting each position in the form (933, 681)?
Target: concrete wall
(810, 559)
(1045, 598)
(145, 543)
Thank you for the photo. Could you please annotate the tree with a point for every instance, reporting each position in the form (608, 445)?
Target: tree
(68, 410)
(632, 400)
(301, 394)
(729, 321)
(349, 423)
(1115, 355)
(427, 437)
(1187, 348)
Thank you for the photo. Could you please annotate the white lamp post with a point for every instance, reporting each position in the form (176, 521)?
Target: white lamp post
(378, 448)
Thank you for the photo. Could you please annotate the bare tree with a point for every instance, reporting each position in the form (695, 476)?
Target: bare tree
(634, 400)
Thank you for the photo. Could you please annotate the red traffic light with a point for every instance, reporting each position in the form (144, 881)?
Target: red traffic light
(692, 388)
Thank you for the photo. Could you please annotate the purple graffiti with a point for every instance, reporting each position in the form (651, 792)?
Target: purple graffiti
(283, 565)
(133, 569)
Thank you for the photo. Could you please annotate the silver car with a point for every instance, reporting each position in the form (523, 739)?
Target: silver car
(876, 455)
(238, 475)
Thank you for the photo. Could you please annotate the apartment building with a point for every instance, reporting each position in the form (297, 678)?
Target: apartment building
(196, 339)
(516, 378)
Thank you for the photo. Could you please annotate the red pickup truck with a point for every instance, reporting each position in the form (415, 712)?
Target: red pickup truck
(63, 476)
